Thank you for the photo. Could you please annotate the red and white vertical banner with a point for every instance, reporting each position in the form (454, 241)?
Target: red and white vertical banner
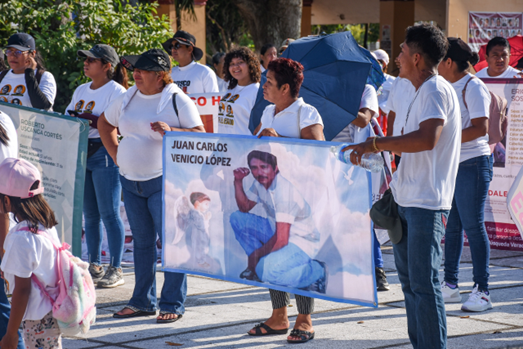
(208, 105)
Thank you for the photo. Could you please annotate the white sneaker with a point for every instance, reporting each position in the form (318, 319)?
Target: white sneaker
(478, 301)
(450, 295)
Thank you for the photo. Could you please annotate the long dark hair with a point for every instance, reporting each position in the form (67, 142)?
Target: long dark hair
(34, 210)
(3, 66)
(118, 74)
(250, 58)
(40, 67)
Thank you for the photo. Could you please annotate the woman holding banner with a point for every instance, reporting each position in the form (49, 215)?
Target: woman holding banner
(288, 116)
(27, 82)
(472, 181)
(242, 73)
(103, 191)
(143, 114)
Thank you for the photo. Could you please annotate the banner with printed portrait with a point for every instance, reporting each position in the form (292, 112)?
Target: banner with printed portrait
(484, 26)
(57, 146)
(273, 212)
(508, 160)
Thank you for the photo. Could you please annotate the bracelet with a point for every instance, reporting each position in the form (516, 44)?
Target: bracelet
(376, 150)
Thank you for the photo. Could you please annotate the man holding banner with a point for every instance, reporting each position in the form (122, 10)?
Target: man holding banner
(423, 186)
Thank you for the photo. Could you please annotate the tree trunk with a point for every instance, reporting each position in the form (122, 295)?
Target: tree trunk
(271, 21)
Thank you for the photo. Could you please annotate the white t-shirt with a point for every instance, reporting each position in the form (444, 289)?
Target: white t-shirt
(11, 149)
(426, 179)
(27, 254)
(87, 100)
(139, 154)
(507, 74)
(368, 100)
(384, 90)
(478, 102)
(222, 84)
(235, 110)
(401, 94)
(14, 90)
(286, 122)
(195, 78)
(262, 68)
(283, 203)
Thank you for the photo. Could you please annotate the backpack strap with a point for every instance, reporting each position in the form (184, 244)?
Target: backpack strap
(465, 90)
(174, 104)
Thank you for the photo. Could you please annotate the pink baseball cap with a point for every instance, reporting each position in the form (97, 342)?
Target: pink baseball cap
(17, 178)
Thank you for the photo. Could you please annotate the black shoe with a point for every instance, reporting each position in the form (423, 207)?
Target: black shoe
(381, 280)
(248, 274)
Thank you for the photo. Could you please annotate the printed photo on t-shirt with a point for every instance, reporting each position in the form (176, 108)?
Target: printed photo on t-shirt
(89, 107)
(3, 99)
(221, 108)
(224, 98)
(78, 107)
(233, 98)
(229, 111)
(183, 85)
(5, 90)
(19, 90)
(16, 101)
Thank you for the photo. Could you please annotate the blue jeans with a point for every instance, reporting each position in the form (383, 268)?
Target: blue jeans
(143, 204)
(418, 257)
(289, 266)
(467, 213)
(378, 257)
(5, 311)
(102, 197)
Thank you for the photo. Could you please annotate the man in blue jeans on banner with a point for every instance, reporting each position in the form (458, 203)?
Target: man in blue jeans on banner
(423, 185)
(280, 247)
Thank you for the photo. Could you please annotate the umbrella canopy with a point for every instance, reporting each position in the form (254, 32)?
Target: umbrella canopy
(516, 53)
(335, 73)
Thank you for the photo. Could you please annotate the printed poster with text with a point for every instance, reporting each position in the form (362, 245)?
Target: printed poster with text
(484, 26)
(277, 213)
(51, 143)
(508, 160)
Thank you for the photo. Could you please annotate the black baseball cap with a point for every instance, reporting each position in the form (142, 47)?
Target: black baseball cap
(22, 42)
(101, 51)
(184, 38)
(152, 60)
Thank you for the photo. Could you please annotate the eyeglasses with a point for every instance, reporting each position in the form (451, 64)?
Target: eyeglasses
(177, 46)
(91, 60)
(15, 53)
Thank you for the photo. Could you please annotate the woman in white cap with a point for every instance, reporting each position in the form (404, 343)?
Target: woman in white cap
(143, 114)
(27, 82)
(102, 190)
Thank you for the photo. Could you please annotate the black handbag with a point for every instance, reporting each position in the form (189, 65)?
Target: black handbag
(384, 213)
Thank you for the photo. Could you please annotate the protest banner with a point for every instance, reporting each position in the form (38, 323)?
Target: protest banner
(508, 160)
(280, 213)
(484, 26)
(208, 105)
(57, 145)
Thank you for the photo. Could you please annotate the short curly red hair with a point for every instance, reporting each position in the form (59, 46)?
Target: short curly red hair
(287, 71)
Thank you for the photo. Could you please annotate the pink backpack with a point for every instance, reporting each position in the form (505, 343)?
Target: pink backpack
(75, 306)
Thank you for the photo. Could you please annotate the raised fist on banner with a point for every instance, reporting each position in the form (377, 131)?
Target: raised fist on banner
(241, 172)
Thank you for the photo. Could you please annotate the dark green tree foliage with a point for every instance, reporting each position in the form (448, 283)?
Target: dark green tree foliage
(225, 26)
(62, 27)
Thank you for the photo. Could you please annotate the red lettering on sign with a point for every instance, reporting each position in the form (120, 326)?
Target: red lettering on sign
(202, 101)
(497, 193)
(216, 99)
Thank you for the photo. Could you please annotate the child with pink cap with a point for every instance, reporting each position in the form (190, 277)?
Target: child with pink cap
(28, 253)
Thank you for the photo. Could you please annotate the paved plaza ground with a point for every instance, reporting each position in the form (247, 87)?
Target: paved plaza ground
(218, 315)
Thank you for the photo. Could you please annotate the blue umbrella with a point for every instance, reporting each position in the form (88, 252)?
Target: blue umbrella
(335, 73)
